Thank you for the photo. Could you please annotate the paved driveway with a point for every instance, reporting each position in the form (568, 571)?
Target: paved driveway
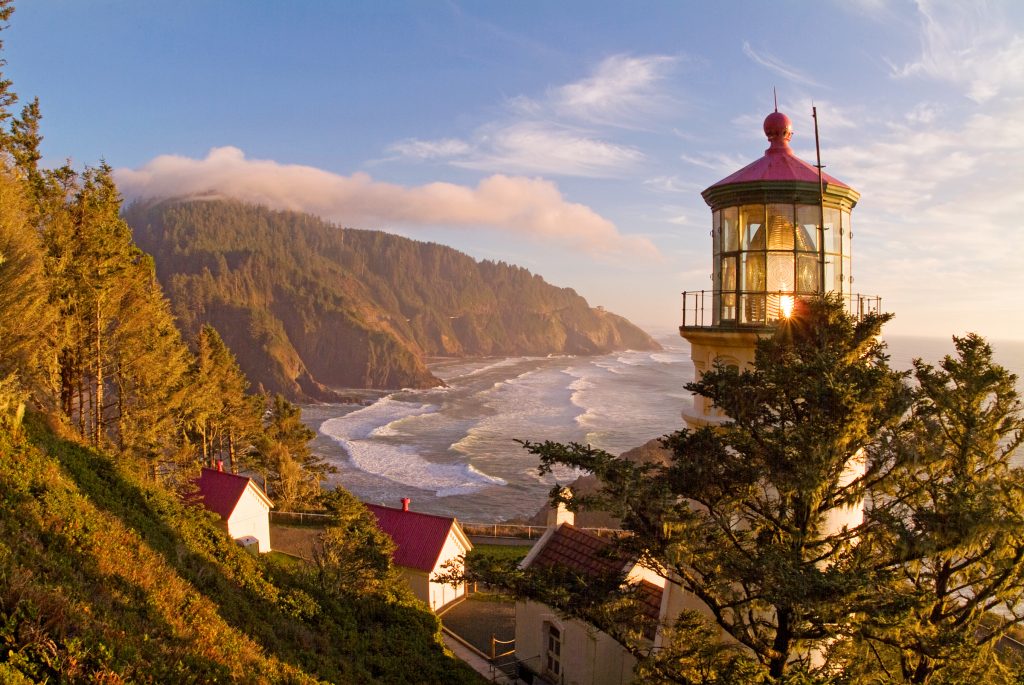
(481, 616)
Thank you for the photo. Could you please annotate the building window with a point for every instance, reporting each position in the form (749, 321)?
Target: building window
(553, 651)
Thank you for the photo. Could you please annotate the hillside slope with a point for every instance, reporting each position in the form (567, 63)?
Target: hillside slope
(307, 306)
(107, 579)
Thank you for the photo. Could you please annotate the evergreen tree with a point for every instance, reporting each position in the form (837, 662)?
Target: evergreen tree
(24, 314)
(221, 416)
(292, 473)
(352, 555)
(953, 522)
(148, 369)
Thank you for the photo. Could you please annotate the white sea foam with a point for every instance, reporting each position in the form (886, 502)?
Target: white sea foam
(360, 433)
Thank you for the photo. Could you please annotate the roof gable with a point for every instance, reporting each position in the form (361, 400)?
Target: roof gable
(419, 538)
(221, 491)
(585, 553)
(581, 552)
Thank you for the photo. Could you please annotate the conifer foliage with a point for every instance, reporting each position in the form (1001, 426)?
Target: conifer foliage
(953, 524)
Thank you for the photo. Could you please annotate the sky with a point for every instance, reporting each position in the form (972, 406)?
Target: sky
(572, 138)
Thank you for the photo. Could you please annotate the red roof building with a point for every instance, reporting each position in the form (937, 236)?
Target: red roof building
(424, 543)
(241, 504)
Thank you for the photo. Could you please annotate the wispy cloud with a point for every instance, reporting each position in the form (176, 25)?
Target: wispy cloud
(567, 130)
(773, 63)
(672, 184)
(527, 207)
(431, 149)
(621, 90)
(535, 147)
(968, 44)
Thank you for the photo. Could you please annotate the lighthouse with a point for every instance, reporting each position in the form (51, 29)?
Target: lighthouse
(780, 229)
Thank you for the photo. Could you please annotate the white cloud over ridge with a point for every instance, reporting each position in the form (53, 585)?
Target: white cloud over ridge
(529, 207)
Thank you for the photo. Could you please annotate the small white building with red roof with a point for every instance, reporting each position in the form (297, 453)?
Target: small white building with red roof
(424, 543)
(241, 504)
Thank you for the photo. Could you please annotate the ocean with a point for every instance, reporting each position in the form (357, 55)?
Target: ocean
(453, 450)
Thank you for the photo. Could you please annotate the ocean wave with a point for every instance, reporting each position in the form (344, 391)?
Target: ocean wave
(499, 364)
(361, 423)
(404, 465)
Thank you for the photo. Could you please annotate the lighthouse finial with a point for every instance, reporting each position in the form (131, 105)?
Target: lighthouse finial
(775, 96)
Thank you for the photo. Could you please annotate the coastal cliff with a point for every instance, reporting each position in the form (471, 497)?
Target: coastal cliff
(308, 307)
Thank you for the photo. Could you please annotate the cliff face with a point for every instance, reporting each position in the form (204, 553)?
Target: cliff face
(307, 306)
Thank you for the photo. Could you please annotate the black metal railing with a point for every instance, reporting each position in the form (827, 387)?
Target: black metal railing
(760, 309)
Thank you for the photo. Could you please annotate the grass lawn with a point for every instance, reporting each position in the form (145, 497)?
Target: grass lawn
(512, 552)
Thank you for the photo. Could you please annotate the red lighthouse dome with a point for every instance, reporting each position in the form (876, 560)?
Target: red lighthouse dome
(778, 163)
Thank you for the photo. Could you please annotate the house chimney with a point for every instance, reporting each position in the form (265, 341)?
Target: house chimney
(558, 515)
(220, 465)
(405, 503)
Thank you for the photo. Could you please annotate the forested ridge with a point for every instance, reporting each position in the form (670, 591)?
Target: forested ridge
(307, 306)
(109, 570)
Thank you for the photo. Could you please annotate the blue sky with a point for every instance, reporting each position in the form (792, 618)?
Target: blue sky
(572, 138)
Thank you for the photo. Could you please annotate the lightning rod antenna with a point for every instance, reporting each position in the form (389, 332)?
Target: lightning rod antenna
(821, 203)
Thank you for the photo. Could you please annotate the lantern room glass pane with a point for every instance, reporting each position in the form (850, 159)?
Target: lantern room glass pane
(807, 217)
(780, 272)
(728, 273)
(753, 309)
(806, 273)
(716, 274)
(832, 236)
(716, 232)
(752, 222)
(730, 236)
(847, 235)
(727, 286)
(753, 271)
(832, 282)
(848, 275)
(780, 227)
(728, 306)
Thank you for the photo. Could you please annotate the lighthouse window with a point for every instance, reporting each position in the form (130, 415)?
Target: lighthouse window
(780, 227)
(752, 220)
(730, 236)
(780, 272)
(752, 308)
(807, 217)
(729, 288)
(716, 232)
(832, 267)
(833, 239)
(753, 271)
(847, 234)
(807, 273)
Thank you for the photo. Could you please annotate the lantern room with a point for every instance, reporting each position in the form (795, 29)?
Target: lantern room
(780, 229)
(777, 233)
